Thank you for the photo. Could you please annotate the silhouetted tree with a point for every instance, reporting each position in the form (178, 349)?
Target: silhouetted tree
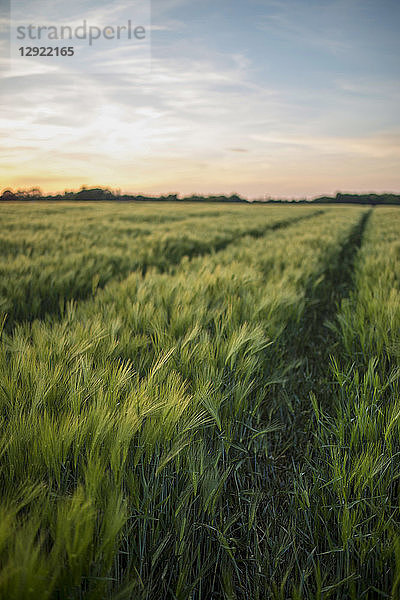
(8, 196)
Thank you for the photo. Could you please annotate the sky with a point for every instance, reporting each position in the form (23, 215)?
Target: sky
(281, 98)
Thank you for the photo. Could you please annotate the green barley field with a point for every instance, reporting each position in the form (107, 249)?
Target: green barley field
(199, 402)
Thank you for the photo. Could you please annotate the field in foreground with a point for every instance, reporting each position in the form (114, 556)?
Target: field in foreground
(199, 402)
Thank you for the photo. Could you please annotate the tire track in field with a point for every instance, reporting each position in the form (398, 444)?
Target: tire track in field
(319, 340)
(175, 255)
(165, 256)
(312, 340)
(309, 343)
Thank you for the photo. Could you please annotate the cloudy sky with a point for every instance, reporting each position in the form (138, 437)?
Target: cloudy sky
(284, 98)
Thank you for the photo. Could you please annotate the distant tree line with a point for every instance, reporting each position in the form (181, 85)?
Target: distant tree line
(373, 199)
(105, 194)
(340, 198)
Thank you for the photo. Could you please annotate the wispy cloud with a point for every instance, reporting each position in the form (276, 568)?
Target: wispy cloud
(380, 145)
(317, 25)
